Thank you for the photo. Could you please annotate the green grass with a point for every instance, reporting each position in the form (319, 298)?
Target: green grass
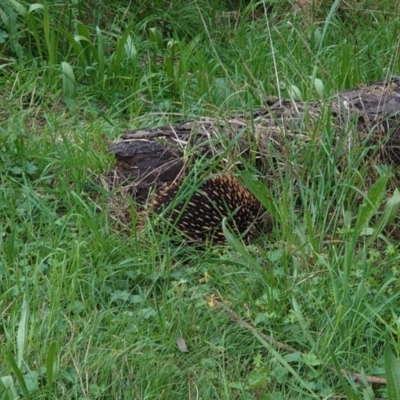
(88, 311)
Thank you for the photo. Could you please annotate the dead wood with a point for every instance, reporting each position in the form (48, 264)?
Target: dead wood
(366, 115)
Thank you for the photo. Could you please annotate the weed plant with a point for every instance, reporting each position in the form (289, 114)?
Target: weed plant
(88, 311)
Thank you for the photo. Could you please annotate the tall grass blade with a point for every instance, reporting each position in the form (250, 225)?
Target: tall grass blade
(368, 209)
(238, 246)
(372, 203)
(347, 389)
(100, 56)
(83, 38)
(19, 376)
(261, 192)
(389, 214)
(392, 371)
(48, 34)
(75, 45)
(302, 321)
(286, 365)
(34, 26)
(172, 49)
(117, 61)
(328, 20)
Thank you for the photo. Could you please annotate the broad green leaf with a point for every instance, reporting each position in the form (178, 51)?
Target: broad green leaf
(32, 381)
(18, 7)
(8, 385)
(182, 345)
(34, 7)
(51, 364)
(68, 79)
(319, 87)
(89, 50)
(22, 333)
(69, 85)
(82, 30)
(295, 92)
(130, 49)
(156, 37)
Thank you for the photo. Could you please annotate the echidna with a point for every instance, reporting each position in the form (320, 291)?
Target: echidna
(200, 216)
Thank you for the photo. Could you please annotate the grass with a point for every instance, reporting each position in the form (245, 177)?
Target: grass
(92, 312)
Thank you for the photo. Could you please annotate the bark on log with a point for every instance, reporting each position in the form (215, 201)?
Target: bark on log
(369, 114)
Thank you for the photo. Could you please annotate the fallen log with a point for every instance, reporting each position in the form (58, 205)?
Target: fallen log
(151, 157)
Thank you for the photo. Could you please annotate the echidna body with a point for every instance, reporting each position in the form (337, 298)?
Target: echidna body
(200, 215)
